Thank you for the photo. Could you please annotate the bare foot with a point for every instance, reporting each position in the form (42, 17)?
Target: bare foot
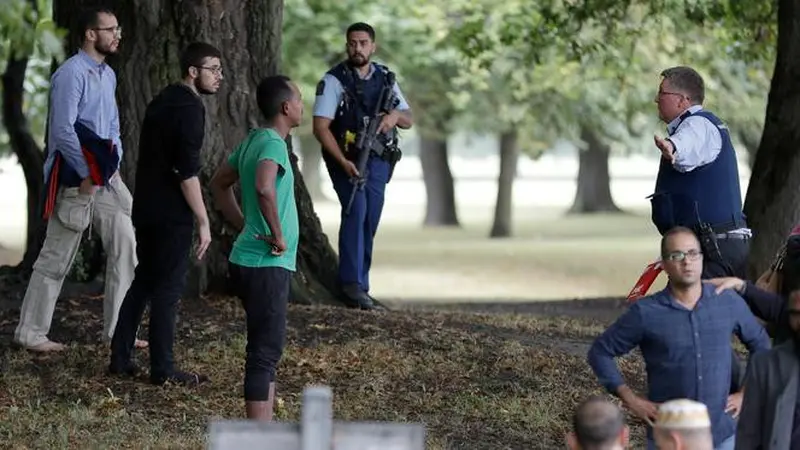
(47, 346)
(140, 344)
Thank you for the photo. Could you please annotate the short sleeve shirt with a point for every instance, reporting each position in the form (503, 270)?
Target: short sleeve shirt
(265, 144)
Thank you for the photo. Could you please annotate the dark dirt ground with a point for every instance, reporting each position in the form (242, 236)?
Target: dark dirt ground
(478, 376)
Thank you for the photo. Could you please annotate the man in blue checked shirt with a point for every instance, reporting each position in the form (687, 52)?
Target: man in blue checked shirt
(684, 333)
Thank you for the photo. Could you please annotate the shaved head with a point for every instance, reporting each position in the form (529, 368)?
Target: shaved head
(598, 424)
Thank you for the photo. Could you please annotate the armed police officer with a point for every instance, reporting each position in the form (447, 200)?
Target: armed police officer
(698, 179)
(357, 111)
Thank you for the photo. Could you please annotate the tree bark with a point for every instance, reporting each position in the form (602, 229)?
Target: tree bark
(772, 204)
(593, 186)
(249, 33)
(509, 154)
(440, 208)
(312, 162)
(29, 156)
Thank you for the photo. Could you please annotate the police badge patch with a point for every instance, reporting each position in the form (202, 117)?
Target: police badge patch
(320, 87)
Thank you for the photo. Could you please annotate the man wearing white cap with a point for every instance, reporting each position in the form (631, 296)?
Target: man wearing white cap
(683, 425)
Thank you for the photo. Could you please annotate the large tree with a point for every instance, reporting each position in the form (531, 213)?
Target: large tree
(772, 204)
(27, 38)
(249, 33)
(743, 30)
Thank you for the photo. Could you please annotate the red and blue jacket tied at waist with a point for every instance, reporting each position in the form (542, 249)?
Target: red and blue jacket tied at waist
(101, 157)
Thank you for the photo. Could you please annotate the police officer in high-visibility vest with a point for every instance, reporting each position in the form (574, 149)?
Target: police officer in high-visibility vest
(346, 95)
(698, 180)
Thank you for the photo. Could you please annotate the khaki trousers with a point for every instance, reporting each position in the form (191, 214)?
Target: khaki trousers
(109, 211)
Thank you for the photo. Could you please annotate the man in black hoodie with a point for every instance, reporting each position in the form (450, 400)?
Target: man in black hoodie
(166, 202)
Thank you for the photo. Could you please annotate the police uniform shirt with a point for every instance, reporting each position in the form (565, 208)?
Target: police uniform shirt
(329, 94)
(697, 141)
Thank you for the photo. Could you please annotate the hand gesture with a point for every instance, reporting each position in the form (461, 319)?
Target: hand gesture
(277, 243)
(666, 147)
(643, 409)
(203, 239)
(734, 405)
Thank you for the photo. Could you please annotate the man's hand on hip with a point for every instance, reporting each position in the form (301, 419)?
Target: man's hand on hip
(87, 187)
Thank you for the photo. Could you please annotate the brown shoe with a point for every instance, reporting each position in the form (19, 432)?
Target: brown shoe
(47, 346)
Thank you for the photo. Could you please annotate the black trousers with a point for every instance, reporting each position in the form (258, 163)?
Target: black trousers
(733, 264)
(159, 280)
(264, 292)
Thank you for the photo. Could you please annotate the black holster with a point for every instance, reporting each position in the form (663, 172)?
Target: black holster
(708, 242)
(392, 156)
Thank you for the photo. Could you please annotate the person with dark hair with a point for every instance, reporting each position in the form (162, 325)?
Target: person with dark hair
(82, 183)
(264, 254)
(771, 408)
(684, 334)
(698, 179)
(347, 95)
(697, 185)
(167, 203)
(598, 425)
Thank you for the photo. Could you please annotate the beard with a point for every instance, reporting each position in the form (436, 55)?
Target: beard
(202, 89)
(358, 61)
(104, 49)
(681, 282)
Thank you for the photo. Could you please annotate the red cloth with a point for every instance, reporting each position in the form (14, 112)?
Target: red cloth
(645, 281)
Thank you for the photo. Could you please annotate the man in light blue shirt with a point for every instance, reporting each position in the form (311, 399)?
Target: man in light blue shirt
(83, 121)
(346, 96)
(326, 103)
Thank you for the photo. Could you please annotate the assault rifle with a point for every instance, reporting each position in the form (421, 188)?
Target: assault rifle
(367, 138)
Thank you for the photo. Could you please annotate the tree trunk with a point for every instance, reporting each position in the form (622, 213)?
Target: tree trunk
(772, 204)
(440, 209)
(29, 156)
(593, 190)
(509, 153)
(249, 33)
(312, 160)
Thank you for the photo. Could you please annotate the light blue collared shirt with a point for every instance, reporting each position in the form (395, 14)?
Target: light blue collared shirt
(82, 90)
(325, 105)
(697, 141)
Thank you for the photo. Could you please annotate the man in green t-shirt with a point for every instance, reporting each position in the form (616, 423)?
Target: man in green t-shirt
(263, 257)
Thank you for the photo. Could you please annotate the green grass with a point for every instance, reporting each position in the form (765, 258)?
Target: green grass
(551, 256)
